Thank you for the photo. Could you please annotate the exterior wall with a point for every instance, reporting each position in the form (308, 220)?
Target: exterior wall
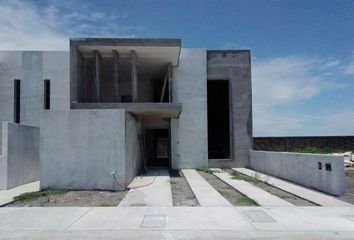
(32, 67)
(235, 66)
(302, 169)
(19, 163)
(80, 148)
(133, 156)
(285, 144)
(10, 69)
(189, 141)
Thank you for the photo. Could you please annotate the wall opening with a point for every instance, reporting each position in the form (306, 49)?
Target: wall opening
(17, 100)
(46, 94)
(218, 119)
(157, 147)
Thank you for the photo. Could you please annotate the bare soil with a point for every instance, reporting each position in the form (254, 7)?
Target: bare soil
(74, 199)
(229, 193)
(182, 194)
(349, 187)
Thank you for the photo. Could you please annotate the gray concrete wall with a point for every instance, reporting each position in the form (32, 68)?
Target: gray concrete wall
(133, 156)
(235, 66)
(303, 169)
(80, 148)
(32, 67)
(19, 163)
(189, 141)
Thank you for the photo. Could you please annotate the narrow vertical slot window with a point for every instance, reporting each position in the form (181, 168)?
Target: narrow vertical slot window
(17, 100)
(46, 94)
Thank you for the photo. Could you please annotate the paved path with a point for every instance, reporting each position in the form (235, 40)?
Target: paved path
(262, 197)
(7, 196)
(157, 194)
(308, 194)
(206, 195)
(173, 222)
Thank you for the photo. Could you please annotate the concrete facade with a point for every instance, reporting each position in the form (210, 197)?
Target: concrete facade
(19, 163)
(321, 172)
(235, 66)
(83, 140)
(189, 132)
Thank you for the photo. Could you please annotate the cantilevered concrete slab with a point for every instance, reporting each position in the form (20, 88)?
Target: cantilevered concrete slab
(157, 110)
(206, 195)
(308, 194)
(262, 197)
(151, 190)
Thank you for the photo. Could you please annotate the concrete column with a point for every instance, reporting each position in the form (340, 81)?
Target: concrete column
(97, 79)
(116, 75)
(170, 82)
(134, 75)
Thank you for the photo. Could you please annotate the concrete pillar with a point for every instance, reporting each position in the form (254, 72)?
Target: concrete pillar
(134, 75)
(97, 79)
(116, 75)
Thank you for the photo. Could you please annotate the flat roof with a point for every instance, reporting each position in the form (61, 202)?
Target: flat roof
(153, 50)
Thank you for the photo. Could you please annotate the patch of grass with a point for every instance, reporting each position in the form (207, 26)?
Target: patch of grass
(246, 200)
(107, 205)
(35, 195)
(316, 150)
(206, 170)
(239, 176)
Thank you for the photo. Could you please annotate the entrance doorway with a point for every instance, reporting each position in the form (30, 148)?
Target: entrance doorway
(158, 148)
(218, 119)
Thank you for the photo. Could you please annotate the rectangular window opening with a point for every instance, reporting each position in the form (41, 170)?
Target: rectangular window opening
(17, 100)
(46, 94)
(218, 119)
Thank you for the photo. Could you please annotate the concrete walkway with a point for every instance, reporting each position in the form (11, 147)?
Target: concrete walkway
(206, 195)
(176, 222)
(157, 193)
(308, 194)
(262, 197)
(6, 196)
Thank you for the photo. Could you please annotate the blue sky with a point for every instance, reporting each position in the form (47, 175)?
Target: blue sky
(302, 51)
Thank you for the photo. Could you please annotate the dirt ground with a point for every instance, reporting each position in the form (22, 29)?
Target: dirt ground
(349, 187)
(73, 199)
(229, 193)
(182, 194)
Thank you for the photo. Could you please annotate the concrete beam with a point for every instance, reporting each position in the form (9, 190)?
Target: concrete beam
(116, 74)
(134, 75)
(97, 79)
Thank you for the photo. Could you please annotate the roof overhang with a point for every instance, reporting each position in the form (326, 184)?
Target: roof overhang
(152, 50)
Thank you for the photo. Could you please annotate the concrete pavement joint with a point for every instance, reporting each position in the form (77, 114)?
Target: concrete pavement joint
(78, 218)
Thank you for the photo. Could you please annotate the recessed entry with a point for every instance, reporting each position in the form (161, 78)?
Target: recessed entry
(154, 221)
(258, 216)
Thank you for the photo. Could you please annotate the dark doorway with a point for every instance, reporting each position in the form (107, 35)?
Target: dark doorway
(218, 119)
(157, 147)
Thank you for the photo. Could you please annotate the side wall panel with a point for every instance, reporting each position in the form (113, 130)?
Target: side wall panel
(19, 163)
(80, 148)
(189, 133)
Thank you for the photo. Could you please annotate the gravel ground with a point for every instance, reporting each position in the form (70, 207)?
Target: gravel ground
(182, 194)
(74, 199)
(228, 192)
(349, 187)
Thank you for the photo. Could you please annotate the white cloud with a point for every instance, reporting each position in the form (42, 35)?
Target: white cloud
(349, 69)
(281, 83)
(25, 26)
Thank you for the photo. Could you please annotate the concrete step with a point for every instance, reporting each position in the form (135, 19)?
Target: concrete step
(206, 195)
(319, 198)
(262, 197)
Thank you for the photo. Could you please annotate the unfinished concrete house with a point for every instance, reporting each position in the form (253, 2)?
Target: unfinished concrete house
(115, 106)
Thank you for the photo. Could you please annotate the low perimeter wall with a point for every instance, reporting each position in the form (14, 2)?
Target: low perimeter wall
(19, 163)
(321, 172)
